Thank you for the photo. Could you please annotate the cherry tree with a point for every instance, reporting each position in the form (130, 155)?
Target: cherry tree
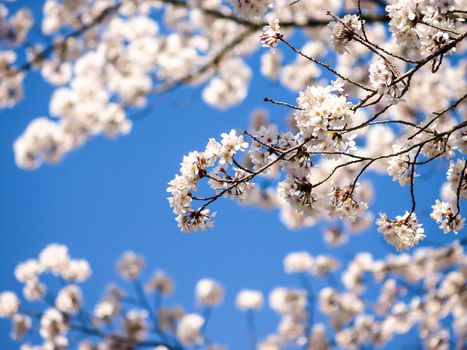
(380, 89)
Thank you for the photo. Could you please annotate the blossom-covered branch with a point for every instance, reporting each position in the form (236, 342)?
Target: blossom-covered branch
(423, 291)
(112, 55)
(377, 121)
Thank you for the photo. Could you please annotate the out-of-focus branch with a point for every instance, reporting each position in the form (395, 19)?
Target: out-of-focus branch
(46, 52)
(311, 23)
(107, 12)
(251, 326)
(215, 60)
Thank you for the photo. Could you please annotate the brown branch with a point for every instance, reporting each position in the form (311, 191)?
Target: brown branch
(459, 188)
(269, 147)
(438, 115)
(215, 60)
(255, 173)
(371, 46)
(412, 182)
(417, 67)
(324, 65)
(45, 53)
(280, 103)
(247, 178)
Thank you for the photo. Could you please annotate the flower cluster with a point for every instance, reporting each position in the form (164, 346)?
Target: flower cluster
(56, 260)
(209, 292)
(403, 232)
(130, 266)
(444, 215)
(291, 304)
(457, 177)
(251, 8)
(382, 78)
(298, 262)
(196, 166)
(424, 25)
(14, 28)
(400, 167)
(54, 321)
(42, 141)
(13, 33)
(102, 83)
(303, 263)
(248, 299)
(320, 146)
(345, 205)
(343, 31)
(322, 114)
(230, 85)
(271, 34)
(189, 329)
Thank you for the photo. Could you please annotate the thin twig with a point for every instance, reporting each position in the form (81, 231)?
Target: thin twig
(324, 65)
(459, 188)
(280, 103)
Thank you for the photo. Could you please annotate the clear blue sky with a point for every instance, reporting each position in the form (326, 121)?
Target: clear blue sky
(110, 196)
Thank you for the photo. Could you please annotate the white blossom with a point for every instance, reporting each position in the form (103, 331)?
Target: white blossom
(249, 300)
(271, 34)
(130, 266)
(9, 304)
(189, 329)
(382, 78)
(455, 174)
(42, 141)
(78, 270)
(134, 324)
(403, 232)
(346, 203)
(55, 258)
(251, 8)
(107, 309)
(53, 324)
(298, 262)
(286, 300)
(445, 216)
(209, 292)
(342, 32)
(28, 270)
(161, 282)
(69, 299)
(33, 290)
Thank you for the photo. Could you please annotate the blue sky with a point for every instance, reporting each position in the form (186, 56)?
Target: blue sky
(110, 196)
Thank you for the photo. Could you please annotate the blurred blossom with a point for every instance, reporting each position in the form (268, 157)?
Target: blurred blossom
(209, 292)
(298, 262)
(189, 329)
(9, 304)
(161, 283)
(420, 289)
(130, 266)
(249, 300)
